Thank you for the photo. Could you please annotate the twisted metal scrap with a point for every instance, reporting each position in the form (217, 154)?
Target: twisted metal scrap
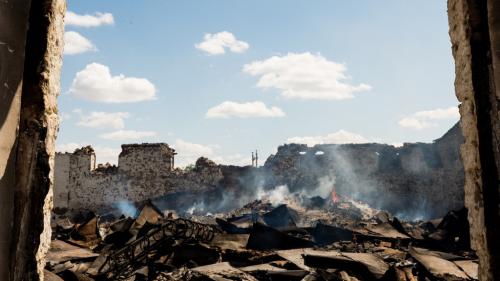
(120, 264)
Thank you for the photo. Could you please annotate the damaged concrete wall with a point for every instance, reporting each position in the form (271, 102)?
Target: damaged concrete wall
(146, 159)
(414, 181)
(144, 172)
(474, 32)
(13, 27)
(417, 180)
(30, 61)
(62, 176)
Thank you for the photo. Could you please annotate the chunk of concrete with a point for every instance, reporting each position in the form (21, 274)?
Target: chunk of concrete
(374, 264)
(438, 267)
(230, 241)
(49, 276)
(469, 267)
(224, 270)
(327, 234)
(387, 230)
(266, 238)
(61, 252)
(296, 256)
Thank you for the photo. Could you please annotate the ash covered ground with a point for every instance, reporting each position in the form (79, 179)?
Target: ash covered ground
(281, 236)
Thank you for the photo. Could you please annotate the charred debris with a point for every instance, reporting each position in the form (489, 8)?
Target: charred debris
(340, 240)
(328, 212)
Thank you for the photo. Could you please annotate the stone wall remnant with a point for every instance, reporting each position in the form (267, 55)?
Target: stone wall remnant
(418, 180)
(474, 28)
(145, 159)
(144, 171)
(31, 36)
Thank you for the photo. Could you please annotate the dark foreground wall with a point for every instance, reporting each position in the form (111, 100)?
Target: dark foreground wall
(475, 38)
(30, 62)
(13, 26)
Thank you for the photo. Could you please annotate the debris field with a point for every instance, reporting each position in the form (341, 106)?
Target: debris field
(346, 240)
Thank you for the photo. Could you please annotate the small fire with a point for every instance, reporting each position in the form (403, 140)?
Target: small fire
(335, 197)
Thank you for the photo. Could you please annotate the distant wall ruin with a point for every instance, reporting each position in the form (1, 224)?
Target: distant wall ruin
(417, 180)
(144, 171)
(146, 159)
(414, 181)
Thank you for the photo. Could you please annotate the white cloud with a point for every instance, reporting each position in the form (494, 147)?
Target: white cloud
(128, 135)
(254, 109)
(420, 120)
(63, 116)
(75, 43)
(103, 153)
(439, 114)
(189, 152)
(338, 137)
(67, 147)
(189, 148)
(107, 154)
(414, 123)
(234, 159)
(114, 120)
(304, 76)
(95, 83)
(97, 19)
(216, 44)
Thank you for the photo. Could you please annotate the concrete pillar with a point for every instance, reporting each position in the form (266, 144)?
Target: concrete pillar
(13, 32)
(474, 33)
(36, 139)
(30, 61)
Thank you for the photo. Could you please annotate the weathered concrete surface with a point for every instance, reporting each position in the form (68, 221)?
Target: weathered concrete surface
(474, 29)
(418, 180)
(36, 140)
(494, 97)
(144, 171)
(146, 159)
(13, 26)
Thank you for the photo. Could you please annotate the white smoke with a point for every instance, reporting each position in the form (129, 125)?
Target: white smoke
(127, 208)
(323, 189)
(275, 196)
(196, 208)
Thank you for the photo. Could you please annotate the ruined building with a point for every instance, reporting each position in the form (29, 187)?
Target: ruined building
(144, 171)
(28, 127)
(417, 180)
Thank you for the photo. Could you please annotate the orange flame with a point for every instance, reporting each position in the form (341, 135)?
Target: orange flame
(335, 197)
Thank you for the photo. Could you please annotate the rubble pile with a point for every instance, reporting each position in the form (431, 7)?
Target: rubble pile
(346, 240)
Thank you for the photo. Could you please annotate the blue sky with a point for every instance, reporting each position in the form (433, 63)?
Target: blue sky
(305, 71)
